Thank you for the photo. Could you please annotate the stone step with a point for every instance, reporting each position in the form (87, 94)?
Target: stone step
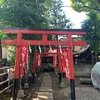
(85, 81)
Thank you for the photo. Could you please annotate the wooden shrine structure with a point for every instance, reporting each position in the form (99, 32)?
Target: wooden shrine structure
(69, 42)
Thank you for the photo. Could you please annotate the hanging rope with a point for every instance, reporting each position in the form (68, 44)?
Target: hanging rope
(27, 66)
(50, 47)
(60, 48)
(39, 48)
(27, 59)
(26, 73)
(29, 47)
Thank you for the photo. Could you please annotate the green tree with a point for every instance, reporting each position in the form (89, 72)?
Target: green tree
(35, 14)
(57, 17)
(1, 36)
(85, 5)
(23, 14)
(93, 37)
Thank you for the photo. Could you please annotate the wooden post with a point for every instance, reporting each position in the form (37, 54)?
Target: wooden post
(34, 67)
(17, 66)
(71, 66)
(59, 66)
(69, 42)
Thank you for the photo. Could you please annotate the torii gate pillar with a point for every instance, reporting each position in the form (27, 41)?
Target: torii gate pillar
(69, 42)
(70, 62)
(59, 66)
(17, 65)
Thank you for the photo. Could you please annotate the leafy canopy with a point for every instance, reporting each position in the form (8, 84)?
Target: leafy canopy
(57, 17)
(23, 14)
(85, 5)
(2, 35)
(93, 34)
(35, 14)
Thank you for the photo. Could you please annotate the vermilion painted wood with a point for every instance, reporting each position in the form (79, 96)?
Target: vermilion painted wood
(69, 42)
(44, 32)
(70, 57)
(78, 43)
(12, 42)
(59, 62)
(44, 38)
(48, 54)
(42, 42)
(34, 63)
(17, 59)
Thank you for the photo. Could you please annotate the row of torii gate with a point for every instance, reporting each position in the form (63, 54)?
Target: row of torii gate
(69, 42)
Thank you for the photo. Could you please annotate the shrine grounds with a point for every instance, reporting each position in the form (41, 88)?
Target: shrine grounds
(84, 91)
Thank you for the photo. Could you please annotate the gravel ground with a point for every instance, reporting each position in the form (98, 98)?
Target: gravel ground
(83, 92)
(58, 93)
(87, 93)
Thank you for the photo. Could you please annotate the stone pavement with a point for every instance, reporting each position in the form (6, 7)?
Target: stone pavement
(45, 92)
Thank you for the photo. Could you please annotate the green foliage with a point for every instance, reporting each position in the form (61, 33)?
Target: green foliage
(2, 36)
(23, 14)
(57, 18)
(11, 55)
(1, 1)
(92, 23)
(85, 5)
(32, 14)
(93, 34)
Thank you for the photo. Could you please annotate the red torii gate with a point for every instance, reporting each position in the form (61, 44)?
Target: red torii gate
(69, 42)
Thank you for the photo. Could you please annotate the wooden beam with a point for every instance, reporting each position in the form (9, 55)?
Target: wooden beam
(44, 32)
(78, 43)
(42, 42)
(12, 42)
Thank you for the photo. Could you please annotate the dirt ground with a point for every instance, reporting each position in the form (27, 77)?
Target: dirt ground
(30, 93)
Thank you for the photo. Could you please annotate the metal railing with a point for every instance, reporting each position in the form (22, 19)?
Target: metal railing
(9, 71)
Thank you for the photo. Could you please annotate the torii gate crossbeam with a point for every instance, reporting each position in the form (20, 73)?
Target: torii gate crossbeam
(69, 42)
